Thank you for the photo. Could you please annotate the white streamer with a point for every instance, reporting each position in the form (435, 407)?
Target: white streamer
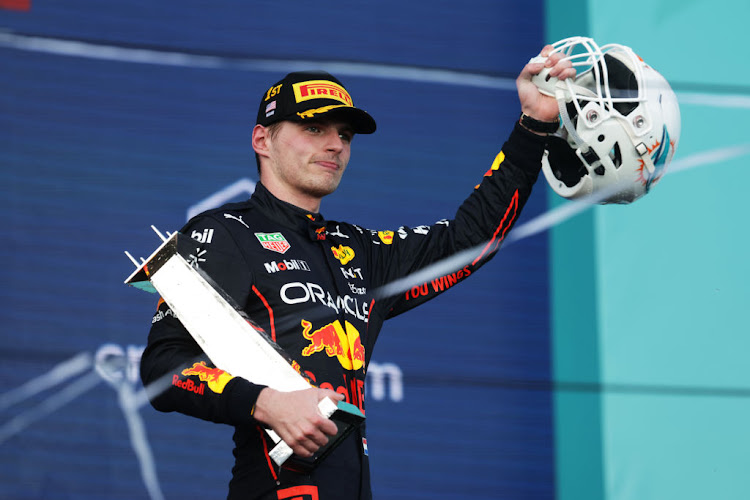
(715, 100)
(75, 48)
(548, 220)
(139, 440)
(57, 375)
(49, 405)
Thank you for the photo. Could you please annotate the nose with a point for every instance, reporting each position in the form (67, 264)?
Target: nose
(334, 142)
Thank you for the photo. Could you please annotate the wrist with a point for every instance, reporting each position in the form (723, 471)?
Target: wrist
(259, 410)
(537, 126)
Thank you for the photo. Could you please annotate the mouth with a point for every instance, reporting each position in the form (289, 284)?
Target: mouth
(328, 164)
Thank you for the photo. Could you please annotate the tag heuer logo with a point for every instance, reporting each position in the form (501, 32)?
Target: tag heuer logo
(273, 241)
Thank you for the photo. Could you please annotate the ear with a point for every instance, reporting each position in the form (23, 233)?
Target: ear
(260, 140)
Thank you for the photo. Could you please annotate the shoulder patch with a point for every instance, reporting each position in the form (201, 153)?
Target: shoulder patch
(273, 241)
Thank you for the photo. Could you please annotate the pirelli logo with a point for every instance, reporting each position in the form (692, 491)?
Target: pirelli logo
(321, 89)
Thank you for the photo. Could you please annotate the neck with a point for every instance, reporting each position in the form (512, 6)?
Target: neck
(306, 202)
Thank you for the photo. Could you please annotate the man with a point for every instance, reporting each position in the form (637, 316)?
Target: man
(309, 282)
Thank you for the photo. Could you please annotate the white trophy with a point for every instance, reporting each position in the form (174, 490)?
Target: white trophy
(232, 341)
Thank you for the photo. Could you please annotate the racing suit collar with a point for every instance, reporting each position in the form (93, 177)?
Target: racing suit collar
(294, 217)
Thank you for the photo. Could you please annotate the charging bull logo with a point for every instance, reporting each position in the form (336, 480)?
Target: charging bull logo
(343, 342)
(215, 378)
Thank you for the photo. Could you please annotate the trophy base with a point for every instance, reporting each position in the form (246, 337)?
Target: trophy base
(347, 417)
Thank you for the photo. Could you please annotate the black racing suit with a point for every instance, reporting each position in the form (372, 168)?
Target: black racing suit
(309, 283)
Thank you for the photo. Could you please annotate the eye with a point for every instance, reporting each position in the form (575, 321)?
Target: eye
(346, 136)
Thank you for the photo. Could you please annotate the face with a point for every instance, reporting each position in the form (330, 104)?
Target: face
(304, 160)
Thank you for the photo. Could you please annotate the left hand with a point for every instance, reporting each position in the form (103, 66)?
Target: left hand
(533, 103)
(295, 417)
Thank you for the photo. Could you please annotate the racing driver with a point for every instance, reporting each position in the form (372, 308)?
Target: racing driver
(309, 282)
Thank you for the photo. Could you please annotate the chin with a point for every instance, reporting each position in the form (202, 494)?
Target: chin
(326, 188)
(322, 191)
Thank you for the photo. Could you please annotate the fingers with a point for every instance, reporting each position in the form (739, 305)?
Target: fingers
(559, 67)
(313, 432)
(296, 418)
(546, 50)
(336, 396)
(310, 436)
(326, 425)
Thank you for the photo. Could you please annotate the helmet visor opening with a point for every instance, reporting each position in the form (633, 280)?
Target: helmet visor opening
(565, 164)
(623, 85)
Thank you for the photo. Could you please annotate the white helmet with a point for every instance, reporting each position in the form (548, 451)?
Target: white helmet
(621, 124)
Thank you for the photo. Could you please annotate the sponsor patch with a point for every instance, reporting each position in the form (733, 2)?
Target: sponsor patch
(310, 113)
(198, 257)
(338, 233)
(286, 265)
(238, 219)
(335, 340)
(321, 89)
(216, 378)
(352, 273)
(386, 237)
(298, 293)
(343, 254)
(273, 241)
(270, 108)
(160, 315)
(298, 493)
(203, 237)
(273, 91)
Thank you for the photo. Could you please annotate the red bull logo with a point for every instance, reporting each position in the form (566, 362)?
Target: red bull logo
(343, 342)
(215, 378)
(188, 385)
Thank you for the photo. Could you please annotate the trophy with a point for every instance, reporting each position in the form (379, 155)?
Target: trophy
(231, 339)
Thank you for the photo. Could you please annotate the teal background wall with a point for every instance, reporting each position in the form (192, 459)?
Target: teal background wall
(649, 301)
(115, 116)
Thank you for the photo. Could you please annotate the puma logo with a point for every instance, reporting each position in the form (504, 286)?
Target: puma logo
(238, 219)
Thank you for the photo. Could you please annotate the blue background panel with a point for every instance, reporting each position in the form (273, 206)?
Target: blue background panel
(117, 117)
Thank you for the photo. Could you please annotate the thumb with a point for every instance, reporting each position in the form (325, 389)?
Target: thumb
(328, 393)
